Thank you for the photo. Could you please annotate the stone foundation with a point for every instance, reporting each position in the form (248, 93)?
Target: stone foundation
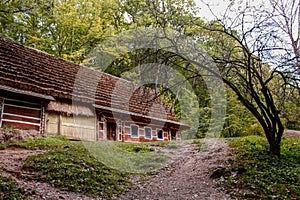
(16, 135)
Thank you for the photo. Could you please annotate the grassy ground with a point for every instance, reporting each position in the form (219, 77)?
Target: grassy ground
(92, 168)
(9, 190)
(54, 142)
(254, 174)
(130, 157)
(69, 166)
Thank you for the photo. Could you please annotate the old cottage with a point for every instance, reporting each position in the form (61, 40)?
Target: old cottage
(41, 92)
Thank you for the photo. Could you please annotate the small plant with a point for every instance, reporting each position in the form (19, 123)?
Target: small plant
(158, 144)
(173, 145)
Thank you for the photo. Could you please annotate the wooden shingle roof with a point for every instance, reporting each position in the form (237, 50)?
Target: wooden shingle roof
(31, 70)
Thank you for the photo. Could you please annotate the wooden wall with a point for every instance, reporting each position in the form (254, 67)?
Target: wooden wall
(21, 114)
(30, 115)
(123, 130)
(79, 127)
(141, 137)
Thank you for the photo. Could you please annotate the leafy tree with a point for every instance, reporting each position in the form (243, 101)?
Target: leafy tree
(68, 29)
(176, 15)
(239, 120)
(291, 111)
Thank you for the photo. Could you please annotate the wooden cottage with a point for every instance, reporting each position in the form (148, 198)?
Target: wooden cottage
(55, 97)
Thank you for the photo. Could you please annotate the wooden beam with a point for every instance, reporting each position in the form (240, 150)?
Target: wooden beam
(29, 93)
(21, 122)
(5, 104)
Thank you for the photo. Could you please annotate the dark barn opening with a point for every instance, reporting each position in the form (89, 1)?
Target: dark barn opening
(111, 131)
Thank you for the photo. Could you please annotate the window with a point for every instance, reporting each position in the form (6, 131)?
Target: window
(134, 131)
(160, 134)
(148, 132)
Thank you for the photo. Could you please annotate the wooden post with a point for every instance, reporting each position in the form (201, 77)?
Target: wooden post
(42, 126)
(2, 108)
(59, 125)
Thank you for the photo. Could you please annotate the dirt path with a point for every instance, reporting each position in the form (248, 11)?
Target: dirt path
(188, 177)
(293, 134)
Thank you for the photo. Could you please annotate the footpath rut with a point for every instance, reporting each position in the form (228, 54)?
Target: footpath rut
(188, 177)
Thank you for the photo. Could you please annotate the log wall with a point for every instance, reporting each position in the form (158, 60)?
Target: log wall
(141, 137)
(19, 114)
(79, 127)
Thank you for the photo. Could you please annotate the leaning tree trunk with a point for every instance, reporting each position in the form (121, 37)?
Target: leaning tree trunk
(274, 135)
(262, 106)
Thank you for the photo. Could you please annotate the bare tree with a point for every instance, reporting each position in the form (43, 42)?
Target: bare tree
(285, 16)
(258, 55)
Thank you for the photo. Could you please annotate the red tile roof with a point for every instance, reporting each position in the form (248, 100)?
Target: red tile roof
(31, 70)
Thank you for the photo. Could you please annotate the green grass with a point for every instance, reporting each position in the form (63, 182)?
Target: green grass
(9, 190)
(173, 145)
(161, 143)
(94, 168)
(254, 174)
(127, 157)
(41, 143)
(135, 147)
(72, 168)
(68, 165)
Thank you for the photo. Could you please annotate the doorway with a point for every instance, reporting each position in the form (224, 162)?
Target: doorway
(111, 131)
(173, 135)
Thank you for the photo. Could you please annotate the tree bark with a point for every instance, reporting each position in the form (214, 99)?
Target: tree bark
(274, 136)
(274, 146)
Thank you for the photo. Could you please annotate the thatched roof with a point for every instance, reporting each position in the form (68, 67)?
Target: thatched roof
(28, 69)
(69, 109)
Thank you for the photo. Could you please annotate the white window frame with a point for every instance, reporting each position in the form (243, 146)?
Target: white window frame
(134, 136)
(150, 132)
(157, 130)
